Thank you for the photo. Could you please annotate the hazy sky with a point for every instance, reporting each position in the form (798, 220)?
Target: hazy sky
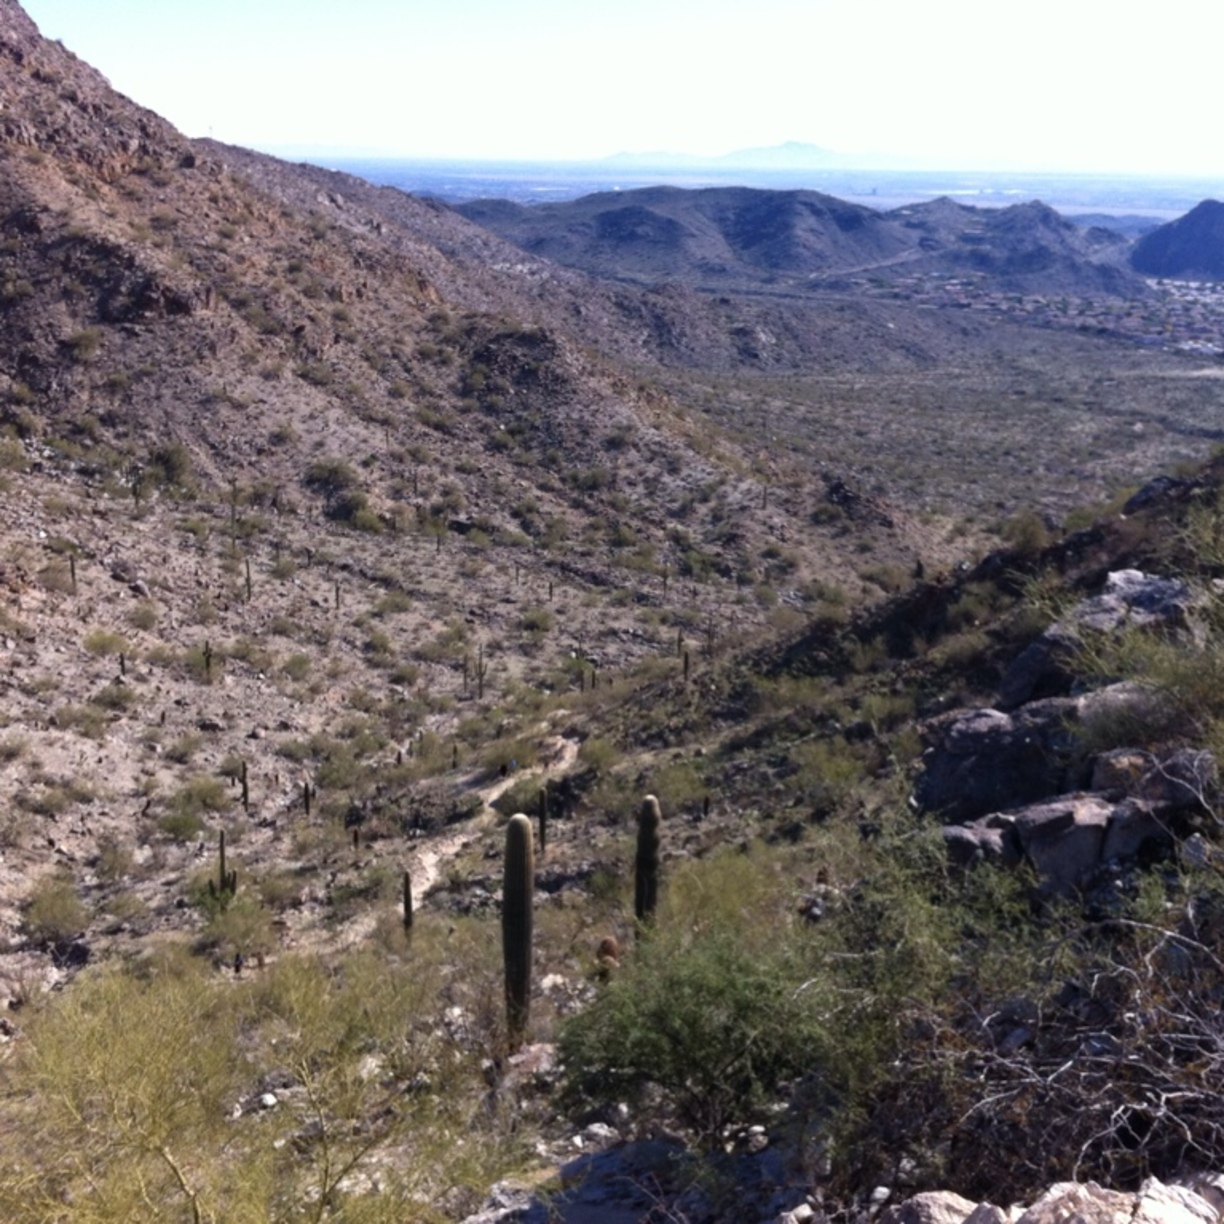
(1058, 84)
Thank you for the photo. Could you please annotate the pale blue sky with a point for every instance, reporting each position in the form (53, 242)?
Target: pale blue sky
(1058, 84)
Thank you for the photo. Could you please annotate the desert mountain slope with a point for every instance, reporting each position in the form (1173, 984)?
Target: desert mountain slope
(151, 294)
(1192, 247)
(177, 317)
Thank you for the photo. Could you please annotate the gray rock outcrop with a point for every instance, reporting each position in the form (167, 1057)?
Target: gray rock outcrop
(1021, 782)
(1130, 598)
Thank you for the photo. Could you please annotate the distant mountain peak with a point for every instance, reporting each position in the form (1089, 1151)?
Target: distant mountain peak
(1190, 247)
(790, 155)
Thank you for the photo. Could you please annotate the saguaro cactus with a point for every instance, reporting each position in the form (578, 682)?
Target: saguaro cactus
(517, 889)
(646, 862)
(407, 902)
(225, 885)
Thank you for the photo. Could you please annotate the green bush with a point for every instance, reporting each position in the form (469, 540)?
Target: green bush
(712, 1026)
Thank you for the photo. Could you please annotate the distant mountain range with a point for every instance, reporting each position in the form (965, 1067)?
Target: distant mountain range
(788, 241)
(790, 155)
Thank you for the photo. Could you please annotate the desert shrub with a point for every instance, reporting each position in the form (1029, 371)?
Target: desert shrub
(448, 644)
(677, 785)
(170, 464)
(522, 796)
(393, 602)
(406, 674)
(56, 577)
(105, 642)
(598, 754)
(11, 749)
(888, 577)
(114, 861)
(509, 753)
(239, 927)
(964, 650)
(1071, 1047)
(331, 476)
(296, 667)
(200, 794)
(84, 345)
(54, 912)
(353, 509)
(115, 697)
(280, 890)
(201, 665)
(184, 748)
(378, 649)
(86, 720)
(181, 826)
(712, 1026)
(1182, 685)
(317, 373)
(143, 615)
(48, 800)
(1026, 533)
(535, 622)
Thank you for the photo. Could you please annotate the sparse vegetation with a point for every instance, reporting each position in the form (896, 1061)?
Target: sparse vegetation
(296, 550)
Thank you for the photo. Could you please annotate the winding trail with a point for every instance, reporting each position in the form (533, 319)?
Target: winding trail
(558, 754)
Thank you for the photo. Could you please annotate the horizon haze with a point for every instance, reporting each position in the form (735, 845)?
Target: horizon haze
(1068, 89)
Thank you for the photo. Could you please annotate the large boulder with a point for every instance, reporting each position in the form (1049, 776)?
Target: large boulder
(1068, 839)
(988, 839)
(1080, 1203)
(1065, 1203)
(982, 761)
(931, 1207)
(1063, 838)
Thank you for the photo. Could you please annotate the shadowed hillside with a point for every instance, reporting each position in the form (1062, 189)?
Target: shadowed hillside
(1192, 247)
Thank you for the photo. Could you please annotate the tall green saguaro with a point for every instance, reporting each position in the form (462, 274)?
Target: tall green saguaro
(646, 862)
(518, 888)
